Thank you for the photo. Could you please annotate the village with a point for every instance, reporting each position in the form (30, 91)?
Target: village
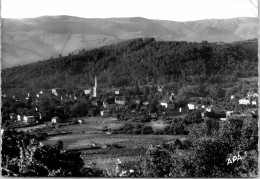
(120, 104)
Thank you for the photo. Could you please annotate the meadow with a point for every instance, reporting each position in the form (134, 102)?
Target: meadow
(104, 149)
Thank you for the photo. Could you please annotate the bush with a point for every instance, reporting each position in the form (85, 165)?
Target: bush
(210, 159)
(186, 144)
(147, 130)
(157, 163)
(159, 132)
(178, 144)
(212, 125)
(137, 131)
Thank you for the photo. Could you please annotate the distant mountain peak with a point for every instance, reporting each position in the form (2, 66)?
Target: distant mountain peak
(32, 39)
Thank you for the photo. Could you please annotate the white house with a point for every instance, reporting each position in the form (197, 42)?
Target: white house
(193, 106)
(146, 103)
(254, 102)
(29, 119)
(19, 118)
(88, 91)
(244, 101)
(165, 104)
(252, 94)
(229, 113)
(168, 105)
(255, 95)
(104, 113)
(55, 91)
(55, 120)
(160, 88)
(120, 101)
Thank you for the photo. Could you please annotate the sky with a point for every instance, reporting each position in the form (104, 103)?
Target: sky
(176, 10)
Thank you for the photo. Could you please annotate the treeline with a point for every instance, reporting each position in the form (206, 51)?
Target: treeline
(142, 60)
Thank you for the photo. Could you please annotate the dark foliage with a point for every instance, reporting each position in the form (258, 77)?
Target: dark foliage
(142, 60)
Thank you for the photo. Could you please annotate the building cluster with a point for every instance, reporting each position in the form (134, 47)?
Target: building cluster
(120, 103)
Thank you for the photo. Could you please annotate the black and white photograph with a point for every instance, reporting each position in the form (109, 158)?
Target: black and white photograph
(129, 88)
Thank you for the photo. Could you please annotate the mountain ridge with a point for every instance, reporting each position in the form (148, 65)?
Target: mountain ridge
(32, 39)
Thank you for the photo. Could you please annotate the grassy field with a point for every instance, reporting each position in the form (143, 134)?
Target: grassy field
(110, 147)
(104, 149)
(253, 78)
(81, 141)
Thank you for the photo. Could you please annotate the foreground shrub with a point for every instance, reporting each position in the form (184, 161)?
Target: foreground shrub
(147, 130)
(23, 155)
(157, 163)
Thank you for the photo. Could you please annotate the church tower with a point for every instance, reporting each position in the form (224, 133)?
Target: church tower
(95, 88)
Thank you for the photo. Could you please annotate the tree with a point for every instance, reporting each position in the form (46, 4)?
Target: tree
(213, 91)
(157, 163)
(153, 105)
(137, 89)
(23, 155)
(210, 159)
(189, 91)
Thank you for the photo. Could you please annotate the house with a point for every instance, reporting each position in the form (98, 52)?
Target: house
(104, 113)
(56, 120)
(109, 103)
(19, 118)
(160, 88)
(120, 101)
(255, 95)
(203, 106)
(168, 101)
(168, 105)
(244, 101)
(119, 91)
(252, 94)
(146, 103)
(229, 113)
(87, 91)
(153, 115)
(13, 116)
(223, 119)
(29, 119)
(193, 106)
(254, 102)
(136, 100)
(121, 108)
(183, 109)
(55, 91)
(214, 108)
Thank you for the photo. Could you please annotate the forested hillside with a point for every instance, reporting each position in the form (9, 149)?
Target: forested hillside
(142, 60)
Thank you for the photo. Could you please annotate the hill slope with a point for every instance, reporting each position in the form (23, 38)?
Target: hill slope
(138, 60)
(33, 39)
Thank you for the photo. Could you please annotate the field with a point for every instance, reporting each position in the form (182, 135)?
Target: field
(104, 149)
(253, 78)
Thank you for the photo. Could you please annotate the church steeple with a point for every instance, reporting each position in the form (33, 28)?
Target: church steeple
(95, 81)
(95, 88)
